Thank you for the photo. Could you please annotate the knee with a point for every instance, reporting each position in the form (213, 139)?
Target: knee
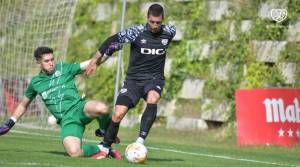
(74, 152)
(152, 98)
(119, 114)
(101, 108)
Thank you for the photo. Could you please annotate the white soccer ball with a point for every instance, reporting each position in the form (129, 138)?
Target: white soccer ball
(136, 153)
(51, 120)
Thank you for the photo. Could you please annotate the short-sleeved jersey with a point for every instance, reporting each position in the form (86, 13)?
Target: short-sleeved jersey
(58, 90)
(148, 50)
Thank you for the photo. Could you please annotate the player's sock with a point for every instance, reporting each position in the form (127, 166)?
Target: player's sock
(148, 118)
(89, 150)
(102, 148)
(140, 140)
(103, 121)
(111, 133)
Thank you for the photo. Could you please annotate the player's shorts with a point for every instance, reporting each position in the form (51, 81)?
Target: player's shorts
(139, 89)
(74, 121)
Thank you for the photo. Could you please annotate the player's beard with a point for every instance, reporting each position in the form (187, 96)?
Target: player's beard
(155, 30)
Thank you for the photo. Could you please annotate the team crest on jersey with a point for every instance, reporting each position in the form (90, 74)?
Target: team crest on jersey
(164, 41)
(57, 73)
(123, 90)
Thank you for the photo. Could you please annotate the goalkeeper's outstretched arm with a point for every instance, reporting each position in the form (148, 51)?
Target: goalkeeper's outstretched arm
(96, 60)
(19, 111)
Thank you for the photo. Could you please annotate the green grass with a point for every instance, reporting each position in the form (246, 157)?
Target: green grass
(166, 148)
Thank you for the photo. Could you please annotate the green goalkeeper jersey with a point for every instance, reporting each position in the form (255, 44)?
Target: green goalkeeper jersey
(58, 90)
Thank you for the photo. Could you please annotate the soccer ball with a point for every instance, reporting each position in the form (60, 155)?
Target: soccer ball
(51, 120)
(136, 153)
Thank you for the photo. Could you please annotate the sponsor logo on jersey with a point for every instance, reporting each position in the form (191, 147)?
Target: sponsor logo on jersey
(143, 41)
(158, 87)
(149, 51)
(164, 41)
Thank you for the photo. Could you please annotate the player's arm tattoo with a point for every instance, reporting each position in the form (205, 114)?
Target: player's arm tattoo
(110, 45)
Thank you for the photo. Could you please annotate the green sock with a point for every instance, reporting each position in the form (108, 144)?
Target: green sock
(89, 150)
(103, 121)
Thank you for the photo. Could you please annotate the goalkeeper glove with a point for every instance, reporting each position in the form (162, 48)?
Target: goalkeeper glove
(7, 126)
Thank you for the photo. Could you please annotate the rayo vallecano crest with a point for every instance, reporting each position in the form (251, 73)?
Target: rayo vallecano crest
(164, 41)
(57, 73)
(279, 14)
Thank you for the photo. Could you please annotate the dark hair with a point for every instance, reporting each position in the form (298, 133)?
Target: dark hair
(40, 51)
(156, 10)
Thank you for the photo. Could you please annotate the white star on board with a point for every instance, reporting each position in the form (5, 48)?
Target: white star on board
(280, 132)
(290, 132)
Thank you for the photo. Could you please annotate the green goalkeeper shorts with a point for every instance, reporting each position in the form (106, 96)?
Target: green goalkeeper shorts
(74, 121)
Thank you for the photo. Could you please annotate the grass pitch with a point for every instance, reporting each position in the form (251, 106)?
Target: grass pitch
(43, 148)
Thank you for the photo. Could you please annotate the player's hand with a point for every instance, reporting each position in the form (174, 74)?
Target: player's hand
(91, 68)
(6, 127)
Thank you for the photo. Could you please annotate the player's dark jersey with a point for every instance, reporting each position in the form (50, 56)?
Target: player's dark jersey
(148, 50)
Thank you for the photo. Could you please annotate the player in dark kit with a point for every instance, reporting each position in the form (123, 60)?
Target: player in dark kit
(145, 74)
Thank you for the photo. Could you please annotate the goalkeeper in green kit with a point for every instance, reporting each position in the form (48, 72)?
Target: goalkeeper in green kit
(56, 85)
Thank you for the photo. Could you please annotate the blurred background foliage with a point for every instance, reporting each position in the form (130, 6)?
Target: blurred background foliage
(88, 34)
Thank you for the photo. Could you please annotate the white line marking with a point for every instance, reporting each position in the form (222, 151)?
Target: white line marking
(32, 133)
(30, 164)
(223, 157)
(178, 151)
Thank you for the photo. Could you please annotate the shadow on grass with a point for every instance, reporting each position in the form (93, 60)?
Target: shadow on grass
(56, 153)
(165, 159)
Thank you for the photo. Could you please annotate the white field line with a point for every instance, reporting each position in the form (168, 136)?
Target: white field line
(180, 152)
(30, 164)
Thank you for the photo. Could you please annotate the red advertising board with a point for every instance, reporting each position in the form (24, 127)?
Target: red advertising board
(268, 116)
